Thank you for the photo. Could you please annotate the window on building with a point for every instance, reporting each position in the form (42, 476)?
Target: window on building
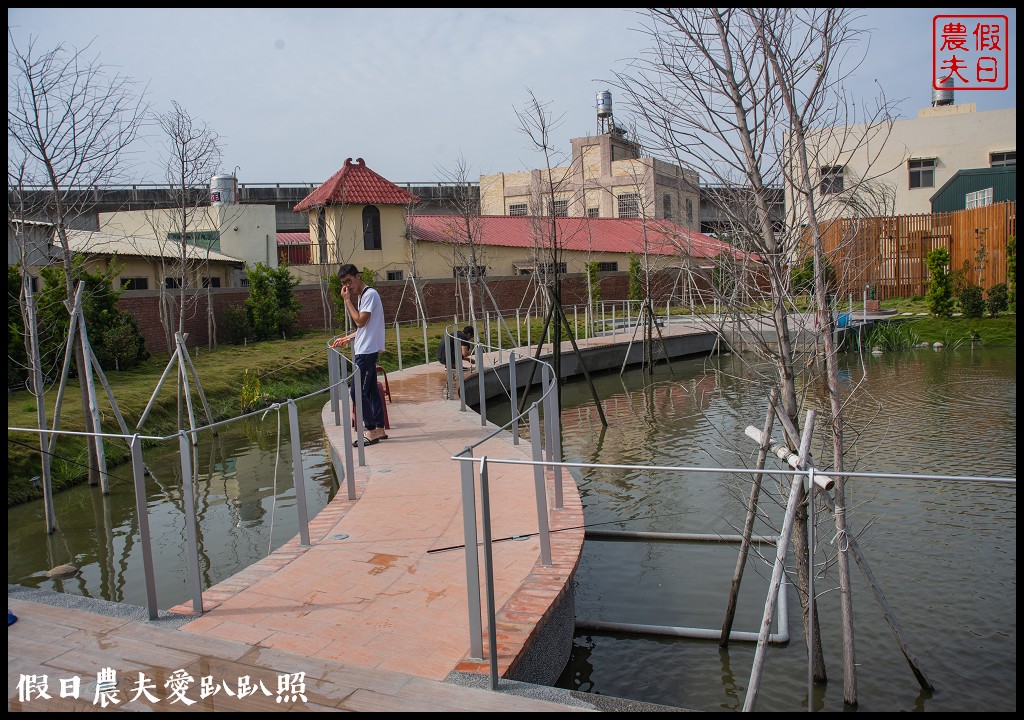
(551, 268)
(134, 283)
(922, 173)
(689, 210)
(831, 179)
(461, 271)
(629, 205)
(371, 228)
(209, 282)
(1003, 159)
(981, 198)
(593, 212)
(34, 281)
(205, 239)
(559, 208)
(395, 275)
(666, 201)
(172, 282)
(607, 267)
(518, 210)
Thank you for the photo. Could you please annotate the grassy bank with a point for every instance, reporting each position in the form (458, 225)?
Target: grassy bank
(1000, 331)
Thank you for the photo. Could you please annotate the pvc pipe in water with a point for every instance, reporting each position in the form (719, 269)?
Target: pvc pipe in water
(779, 638)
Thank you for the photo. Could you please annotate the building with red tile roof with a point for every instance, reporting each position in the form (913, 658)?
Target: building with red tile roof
(358, 217)
(356, 184)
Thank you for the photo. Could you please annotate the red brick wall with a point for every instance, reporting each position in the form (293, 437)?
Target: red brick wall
(399, 302)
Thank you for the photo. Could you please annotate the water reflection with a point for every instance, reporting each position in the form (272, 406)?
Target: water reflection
(944, 552)
(245, 507)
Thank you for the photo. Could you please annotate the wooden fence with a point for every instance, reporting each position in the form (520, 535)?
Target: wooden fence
(888, 253)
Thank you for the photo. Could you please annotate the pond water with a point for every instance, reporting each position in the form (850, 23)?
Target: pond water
(245, 499)
(944, 552)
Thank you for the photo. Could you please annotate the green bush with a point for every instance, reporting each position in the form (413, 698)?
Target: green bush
(1011, 272)
(998, 299)
(940, 289)
(119, 345)
(113, 334)
(971, 302)
(234, 326)
(271, 306)
(337, 301)
(801, 278)
(636, 283)
(593, 280)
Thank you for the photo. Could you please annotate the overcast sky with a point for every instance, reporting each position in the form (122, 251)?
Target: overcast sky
(293, 92)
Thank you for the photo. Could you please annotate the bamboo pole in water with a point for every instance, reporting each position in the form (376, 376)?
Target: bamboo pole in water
(748, 524)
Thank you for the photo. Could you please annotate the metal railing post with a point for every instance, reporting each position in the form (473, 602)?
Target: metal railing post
(398, 345)
(332, 379)
(426, 347)
(142, 513)
(481, 390)
(469, 531)
(492, 631)
(545, 398)
(539, 488)
(299, 477)
(460, 374)
(357, 402)
(810, 588)
(519, 330)
(191, 536)
(513, 392)
(346, 434)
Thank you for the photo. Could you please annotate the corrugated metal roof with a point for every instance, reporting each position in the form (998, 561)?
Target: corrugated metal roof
(293, 238)
(619, 235)
(88, 242)
(356, 184)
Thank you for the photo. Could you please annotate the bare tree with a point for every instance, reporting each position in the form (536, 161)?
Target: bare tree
(191, 156)
(71, 121)
(735, 93)
(552, 191)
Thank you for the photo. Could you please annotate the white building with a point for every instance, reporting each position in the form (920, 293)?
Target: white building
(244, 232)
(853, 166)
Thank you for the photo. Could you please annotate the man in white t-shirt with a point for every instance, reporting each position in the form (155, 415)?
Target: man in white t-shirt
(364, 306)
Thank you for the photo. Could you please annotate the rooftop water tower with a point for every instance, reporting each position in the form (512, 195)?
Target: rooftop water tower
(224, 190)
(604, 112)
(945, 95)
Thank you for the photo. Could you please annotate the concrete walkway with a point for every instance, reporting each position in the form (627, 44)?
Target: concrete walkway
(379, 597)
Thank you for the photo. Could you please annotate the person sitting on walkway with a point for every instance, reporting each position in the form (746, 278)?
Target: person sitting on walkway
(465, 340)
(367, 313)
